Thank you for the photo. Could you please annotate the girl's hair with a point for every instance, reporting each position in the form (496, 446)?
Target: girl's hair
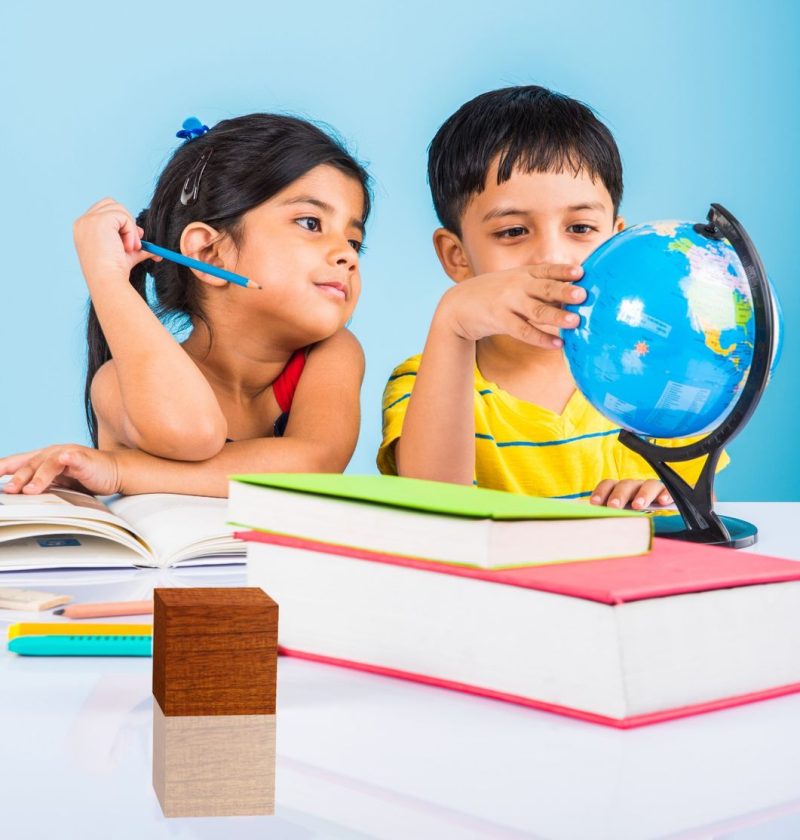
(237, 165)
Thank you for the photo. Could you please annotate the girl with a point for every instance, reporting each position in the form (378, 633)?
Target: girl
(269, 378)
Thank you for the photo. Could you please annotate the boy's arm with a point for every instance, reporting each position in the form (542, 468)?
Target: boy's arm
(438, 440)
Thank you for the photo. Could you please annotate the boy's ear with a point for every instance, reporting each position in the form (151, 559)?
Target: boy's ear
(203, 242)
(451, 255)
(619, 224)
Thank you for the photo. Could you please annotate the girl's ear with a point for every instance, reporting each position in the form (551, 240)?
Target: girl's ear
(451, 255)
(203, 242)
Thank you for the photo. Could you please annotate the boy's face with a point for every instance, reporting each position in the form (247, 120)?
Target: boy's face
(533, 217)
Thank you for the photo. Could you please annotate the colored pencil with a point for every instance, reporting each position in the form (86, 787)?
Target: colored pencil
(105, 610)
(189, 262)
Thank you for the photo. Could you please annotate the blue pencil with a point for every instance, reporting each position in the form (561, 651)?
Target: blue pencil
(199, 265)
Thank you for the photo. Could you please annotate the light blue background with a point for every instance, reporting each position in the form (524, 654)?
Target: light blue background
(703, 100)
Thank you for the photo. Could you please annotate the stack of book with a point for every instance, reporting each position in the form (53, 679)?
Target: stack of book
(479, 591)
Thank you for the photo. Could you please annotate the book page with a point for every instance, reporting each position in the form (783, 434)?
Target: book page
(64, 528)
(55, 504)
(182, 529)
(67, 549)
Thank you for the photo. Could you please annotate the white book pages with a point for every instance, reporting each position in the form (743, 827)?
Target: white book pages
(485, 543)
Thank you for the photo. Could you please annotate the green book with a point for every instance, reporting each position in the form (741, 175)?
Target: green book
(433, 520)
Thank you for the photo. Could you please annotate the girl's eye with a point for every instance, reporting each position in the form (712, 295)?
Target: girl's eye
(309, 223)
(511, 233)
(358, 247)
(581, 230)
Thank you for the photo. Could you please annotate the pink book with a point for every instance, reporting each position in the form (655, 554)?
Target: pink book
(682, 630)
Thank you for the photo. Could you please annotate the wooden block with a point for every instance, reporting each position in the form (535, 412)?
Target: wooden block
(215, 651)
(214, 766)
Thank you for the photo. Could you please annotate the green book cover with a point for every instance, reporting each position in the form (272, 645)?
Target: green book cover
(430, 496)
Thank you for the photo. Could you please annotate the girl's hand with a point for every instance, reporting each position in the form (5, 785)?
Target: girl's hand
(65, 465)
(619, 493)
(108, 241)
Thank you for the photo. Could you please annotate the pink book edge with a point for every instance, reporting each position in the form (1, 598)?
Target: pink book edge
(610, 581)
(622, 723)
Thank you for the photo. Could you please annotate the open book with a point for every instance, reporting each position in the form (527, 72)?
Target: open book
(63, 529)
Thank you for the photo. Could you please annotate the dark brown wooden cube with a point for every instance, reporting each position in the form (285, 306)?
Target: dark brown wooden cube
(215, 651)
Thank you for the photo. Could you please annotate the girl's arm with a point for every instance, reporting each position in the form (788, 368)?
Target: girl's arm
(153, 395)
(320, 437)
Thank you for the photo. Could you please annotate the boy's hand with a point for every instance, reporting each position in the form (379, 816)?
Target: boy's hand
(108, 241)
(518, 302)
(618, 494)
(66, 465)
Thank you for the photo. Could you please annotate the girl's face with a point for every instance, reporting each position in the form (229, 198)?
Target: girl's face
(302, 247)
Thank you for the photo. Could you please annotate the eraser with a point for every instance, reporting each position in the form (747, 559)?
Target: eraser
(29, 599)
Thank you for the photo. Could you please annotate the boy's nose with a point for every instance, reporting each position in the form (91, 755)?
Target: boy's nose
(548, 250)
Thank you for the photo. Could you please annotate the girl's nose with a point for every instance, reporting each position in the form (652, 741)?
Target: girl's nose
(343, 254)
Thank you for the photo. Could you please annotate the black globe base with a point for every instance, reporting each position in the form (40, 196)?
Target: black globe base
(741, 533)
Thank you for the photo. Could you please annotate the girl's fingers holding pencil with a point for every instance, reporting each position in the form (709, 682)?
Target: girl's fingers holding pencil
(104, 202)
(126, 226)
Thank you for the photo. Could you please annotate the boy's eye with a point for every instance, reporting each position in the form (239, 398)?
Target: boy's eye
(309, 223)
(581, 229)
(358, 247)
(511, 233)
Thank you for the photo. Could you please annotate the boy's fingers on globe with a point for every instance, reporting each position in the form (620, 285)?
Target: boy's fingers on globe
(517, 326)
(555, 271)
(554, 290)
(538, 312)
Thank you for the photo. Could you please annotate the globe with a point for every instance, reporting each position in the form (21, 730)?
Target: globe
(666, 333)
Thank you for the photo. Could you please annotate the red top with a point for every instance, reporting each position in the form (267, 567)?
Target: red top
(286, 383)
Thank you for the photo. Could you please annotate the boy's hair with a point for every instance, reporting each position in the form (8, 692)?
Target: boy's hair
(243, 162)
(530, 128)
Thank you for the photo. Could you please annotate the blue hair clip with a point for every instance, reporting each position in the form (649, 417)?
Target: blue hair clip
(192, 129)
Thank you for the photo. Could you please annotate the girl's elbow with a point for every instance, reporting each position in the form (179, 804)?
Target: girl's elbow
(200, 441)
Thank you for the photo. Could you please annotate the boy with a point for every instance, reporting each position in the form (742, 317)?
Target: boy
(526, 184)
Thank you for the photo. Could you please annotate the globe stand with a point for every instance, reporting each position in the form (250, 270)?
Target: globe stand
(697, 521)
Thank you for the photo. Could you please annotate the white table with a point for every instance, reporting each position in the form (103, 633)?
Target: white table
(366, 756)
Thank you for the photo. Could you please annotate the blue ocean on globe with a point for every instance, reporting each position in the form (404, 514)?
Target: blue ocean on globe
(666, 334)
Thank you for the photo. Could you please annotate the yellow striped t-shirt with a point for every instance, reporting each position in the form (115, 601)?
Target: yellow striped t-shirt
(524, 448)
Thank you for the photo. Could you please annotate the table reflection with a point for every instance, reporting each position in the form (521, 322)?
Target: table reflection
(214, 765)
